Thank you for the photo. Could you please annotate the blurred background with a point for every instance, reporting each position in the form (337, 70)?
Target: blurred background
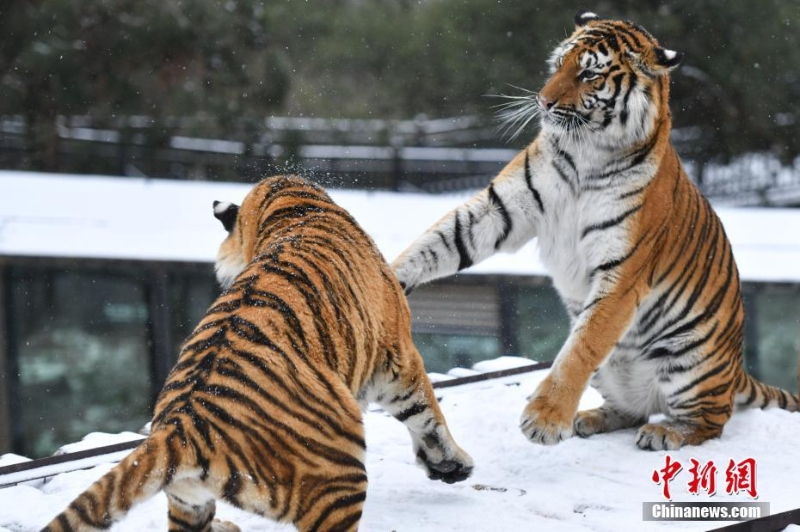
(373, 95)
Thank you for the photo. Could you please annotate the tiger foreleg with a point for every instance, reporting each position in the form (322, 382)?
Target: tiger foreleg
(498, 218)
(409, 398)
(550, 414)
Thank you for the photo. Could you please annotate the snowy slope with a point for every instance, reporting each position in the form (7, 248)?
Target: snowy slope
(595, 484)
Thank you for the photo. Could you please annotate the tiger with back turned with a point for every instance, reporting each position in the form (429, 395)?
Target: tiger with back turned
(263, 408)
(637, 254)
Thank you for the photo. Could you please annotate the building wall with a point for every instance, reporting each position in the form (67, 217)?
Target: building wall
(89, 343)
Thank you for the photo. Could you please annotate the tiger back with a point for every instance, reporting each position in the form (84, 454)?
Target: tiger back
(637, 254)
(263, 408)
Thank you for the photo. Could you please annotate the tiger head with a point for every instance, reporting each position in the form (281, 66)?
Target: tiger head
(609, 83)
(250, 224)
(231, 258)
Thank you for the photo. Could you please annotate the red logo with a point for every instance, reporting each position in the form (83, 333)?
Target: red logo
(739, 477)
(666, 475)
(703, 478)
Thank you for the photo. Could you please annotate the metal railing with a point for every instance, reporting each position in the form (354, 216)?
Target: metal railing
(440, 155)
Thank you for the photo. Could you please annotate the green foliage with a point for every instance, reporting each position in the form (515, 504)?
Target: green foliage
(207, 60)
(223, 63)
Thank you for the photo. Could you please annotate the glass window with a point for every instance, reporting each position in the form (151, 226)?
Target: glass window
(542, 323)
(443, 352)
(190, 295)
(773, 334)
(81, 344)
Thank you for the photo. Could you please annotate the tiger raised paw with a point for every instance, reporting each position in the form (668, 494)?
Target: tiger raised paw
(638, 256)
(264, 407)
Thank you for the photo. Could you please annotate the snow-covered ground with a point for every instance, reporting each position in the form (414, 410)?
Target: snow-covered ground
(596, 484)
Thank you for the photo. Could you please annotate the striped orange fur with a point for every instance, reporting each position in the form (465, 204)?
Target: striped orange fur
(263, 408)
(638, 255)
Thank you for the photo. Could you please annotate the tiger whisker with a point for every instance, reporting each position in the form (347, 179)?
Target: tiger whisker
(515, 114)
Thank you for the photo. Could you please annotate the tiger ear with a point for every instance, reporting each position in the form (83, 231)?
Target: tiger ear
(668, 59)
(584, 17)
(226, 213)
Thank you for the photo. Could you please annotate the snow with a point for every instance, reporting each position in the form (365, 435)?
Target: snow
(98, 439)
(501, 363)
(12, 459)
(594, 484)
(57, 215)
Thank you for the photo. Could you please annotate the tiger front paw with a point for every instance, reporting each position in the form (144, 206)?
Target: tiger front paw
(408, 274)
(456, 468)
(546, 422)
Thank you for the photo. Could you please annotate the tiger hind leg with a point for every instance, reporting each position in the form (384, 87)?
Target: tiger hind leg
(192, 517)
(672, 435)
(604, 419)
(697, 414)
(407, 395)
(336, 502)
(314, 478)
(323, 494)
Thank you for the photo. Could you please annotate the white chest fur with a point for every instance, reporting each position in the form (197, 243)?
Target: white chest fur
(582, 201)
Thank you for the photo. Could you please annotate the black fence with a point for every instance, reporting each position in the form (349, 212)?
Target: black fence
(433, 156)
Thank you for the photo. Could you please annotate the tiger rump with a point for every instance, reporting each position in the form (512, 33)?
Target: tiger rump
(263, 408)
(638, 256)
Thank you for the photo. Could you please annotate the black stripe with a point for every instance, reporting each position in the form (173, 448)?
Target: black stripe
(202, 460)
(529, 182)
(465, 261)
(86, 518)
(341, 502)
(62, 518)
(568, 158)
(634, 191)
(413, 410)
(507, 223)
(232, 487)
(348, 522)
(445, 243)
(181, 523)
(401, 398)
(610, 265)
(611, 41)
(753, 392)
(708, 374)
(610, 223)
(623, 117)
(562, 175)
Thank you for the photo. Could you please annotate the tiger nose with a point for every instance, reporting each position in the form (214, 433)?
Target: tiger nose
(546, 103)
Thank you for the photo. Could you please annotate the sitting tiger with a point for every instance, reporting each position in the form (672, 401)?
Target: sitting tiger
(263, 408)
(636, 253)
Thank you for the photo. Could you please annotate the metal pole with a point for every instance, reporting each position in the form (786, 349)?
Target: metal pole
(159, 330)
(5, 375)
(751, 358)
(11, 428)
(507, 301)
